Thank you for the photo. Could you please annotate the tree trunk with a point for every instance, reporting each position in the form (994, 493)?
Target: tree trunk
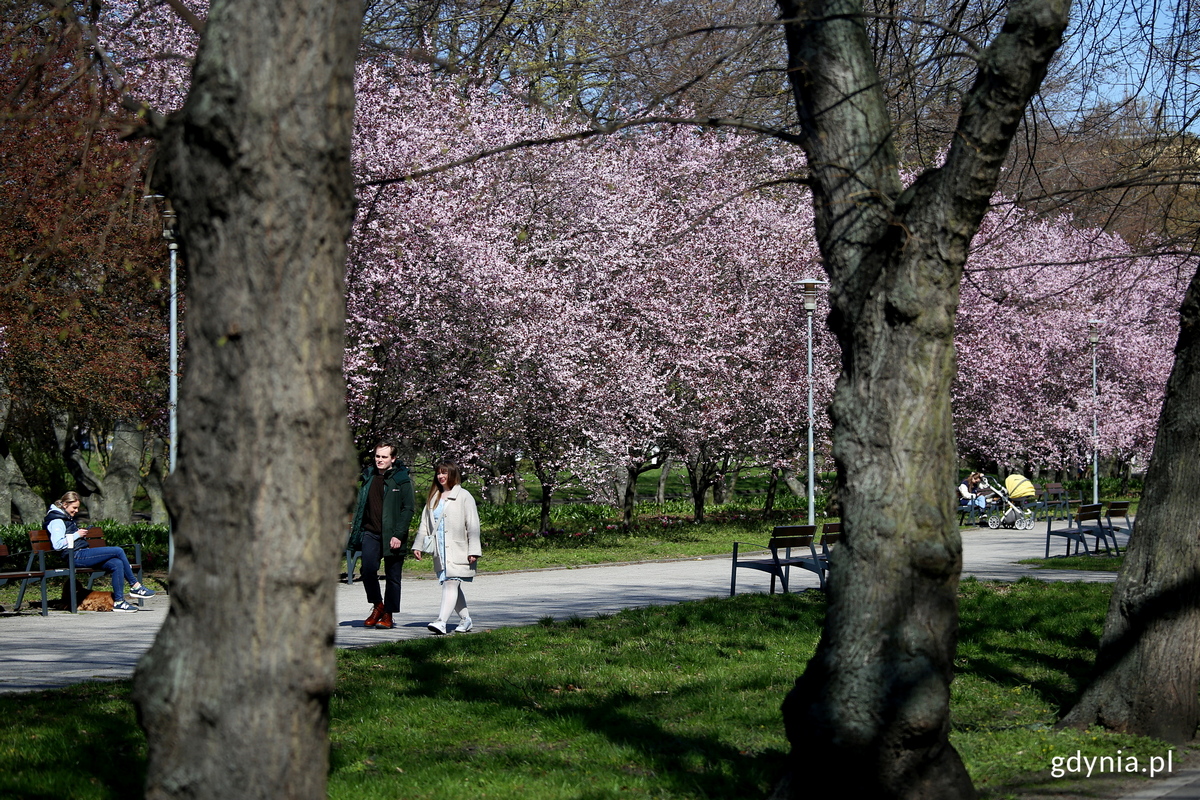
(772, 488)
(872, 707)
(720, 487)
(547, 493)
(731, 479)
(110, 496)
(500, 479)
(29, 505)
(797, 488)
(1148, 667)
(5, 458)
(664, 475)
(629, 497)
(234, 694)
(153, 482)
(701, 471)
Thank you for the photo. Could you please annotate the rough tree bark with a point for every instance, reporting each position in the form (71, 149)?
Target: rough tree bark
(153, 482)
(234, 693)
(21, 496)
(772, 487)
(1148, 667)
(794, 485)
(110, 496)
(872, 707)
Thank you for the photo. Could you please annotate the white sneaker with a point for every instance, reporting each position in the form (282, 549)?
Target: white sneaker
(464, 625)
(438, 627)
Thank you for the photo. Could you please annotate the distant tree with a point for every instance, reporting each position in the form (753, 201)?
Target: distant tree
(81, 272)
(579, 303)
(1023, 394)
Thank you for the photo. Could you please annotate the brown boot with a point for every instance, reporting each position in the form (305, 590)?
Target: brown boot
(373, 620)
(385, 621)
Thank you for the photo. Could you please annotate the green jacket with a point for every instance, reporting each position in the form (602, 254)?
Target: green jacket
(398, 506)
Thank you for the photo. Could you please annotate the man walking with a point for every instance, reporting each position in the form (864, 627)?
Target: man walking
(380, 530)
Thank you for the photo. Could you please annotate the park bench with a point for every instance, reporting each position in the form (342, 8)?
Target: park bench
(784, 539)
(969, 512)
(1083, 523)
(26, 576)
(1116, 519)
(41, 547)
(352, 558)
(1035, 503)
(1057, 501)
(831, 537)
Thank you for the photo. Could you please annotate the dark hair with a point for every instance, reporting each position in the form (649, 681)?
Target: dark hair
(387, 443)
(453, 474)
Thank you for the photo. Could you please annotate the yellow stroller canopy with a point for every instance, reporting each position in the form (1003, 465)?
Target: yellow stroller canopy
(1018, 487)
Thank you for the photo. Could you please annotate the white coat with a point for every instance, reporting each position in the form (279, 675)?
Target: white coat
(462, 534)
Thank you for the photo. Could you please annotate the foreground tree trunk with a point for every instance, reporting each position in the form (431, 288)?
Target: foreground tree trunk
(872, 707)
(1148, 668)
(234, 693)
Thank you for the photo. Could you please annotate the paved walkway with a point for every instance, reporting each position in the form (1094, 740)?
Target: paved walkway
(44, 652)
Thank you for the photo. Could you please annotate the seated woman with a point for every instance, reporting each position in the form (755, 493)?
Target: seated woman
(969, 494)
(64, 535)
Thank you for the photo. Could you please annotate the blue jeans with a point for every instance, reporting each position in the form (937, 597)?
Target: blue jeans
(112, 560)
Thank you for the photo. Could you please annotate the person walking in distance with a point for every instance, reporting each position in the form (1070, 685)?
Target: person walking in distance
(381, 520)
(450, 530)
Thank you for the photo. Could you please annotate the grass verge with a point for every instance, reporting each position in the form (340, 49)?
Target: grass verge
(670, 702)
(1093, 563)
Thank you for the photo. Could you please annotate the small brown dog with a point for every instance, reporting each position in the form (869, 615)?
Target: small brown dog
(96, 601)
(88, 601)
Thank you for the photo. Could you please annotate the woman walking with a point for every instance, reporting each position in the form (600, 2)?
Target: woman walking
(450, 530)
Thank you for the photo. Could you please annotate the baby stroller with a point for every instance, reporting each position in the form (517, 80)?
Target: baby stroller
(1002, 512)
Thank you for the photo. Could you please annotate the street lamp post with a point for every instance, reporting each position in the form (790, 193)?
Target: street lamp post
(173, 246)
(1094, 338)
(168, 233)
(810, 305)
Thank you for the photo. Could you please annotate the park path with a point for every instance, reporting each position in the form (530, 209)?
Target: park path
(44, 652)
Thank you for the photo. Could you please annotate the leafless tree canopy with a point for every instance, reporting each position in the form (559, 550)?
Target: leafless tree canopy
(1110, 138)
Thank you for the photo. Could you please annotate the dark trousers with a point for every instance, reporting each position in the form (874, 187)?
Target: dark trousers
(373, 549)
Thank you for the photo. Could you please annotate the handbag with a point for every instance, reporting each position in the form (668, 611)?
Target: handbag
(428, 543)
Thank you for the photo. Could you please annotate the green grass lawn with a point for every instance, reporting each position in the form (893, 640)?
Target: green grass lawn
(1096, 563)
(671, 702)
